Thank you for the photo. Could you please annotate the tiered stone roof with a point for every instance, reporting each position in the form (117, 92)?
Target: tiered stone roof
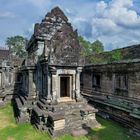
(61, 40)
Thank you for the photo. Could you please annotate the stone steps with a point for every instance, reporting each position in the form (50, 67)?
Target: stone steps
(39, 118)
(23, 99)
(21, 111)
(18, 103)
(60, 118)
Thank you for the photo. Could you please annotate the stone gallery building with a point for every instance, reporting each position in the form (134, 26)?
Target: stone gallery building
(6, 73)
(114, 88)
(48, 89)
(52, 81)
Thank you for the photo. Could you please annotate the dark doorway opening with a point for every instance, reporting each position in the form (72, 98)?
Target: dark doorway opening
(64, 87)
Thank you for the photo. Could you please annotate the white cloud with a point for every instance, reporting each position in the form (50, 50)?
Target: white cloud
(121, 3)
(6, 15)
(30, 31)
(40, 3)
(100, 7)
(115, 23)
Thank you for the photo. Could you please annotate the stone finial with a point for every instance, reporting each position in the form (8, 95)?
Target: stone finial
(59, 13)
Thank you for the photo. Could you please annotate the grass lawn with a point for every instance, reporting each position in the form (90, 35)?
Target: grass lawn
(9, 130)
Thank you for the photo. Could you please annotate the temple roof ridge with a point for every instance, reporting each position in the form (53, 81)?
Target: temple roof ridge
(52, 22)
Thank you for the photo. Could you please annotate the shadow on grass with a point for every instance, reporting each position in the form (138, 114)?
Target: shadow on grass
(109, 130)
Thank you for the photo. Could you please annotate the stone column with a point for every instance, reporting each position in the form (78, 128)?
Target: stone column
(78, 94)
(54, 82)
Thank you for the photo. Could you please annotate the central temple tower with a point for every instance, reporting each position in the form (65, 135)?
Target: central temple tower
(51, 78)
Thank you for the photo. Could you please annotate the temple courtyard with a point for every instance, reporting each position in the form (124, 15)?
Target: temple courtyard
(9, 130)
(57, 89)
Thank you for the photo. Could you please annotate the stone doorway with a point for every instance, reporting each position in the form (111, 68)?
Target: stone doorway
(64, 86)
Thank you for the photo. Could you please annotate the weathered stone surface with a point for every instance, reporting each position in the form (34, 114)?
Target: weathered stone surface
(120, 103)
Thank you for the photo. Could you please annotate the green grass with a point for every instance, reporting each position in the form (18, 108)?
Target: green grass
(9, 130)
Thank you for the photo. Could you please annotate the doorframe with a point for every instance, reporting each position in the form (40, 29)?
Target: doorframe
(70, 85)
(66, 84)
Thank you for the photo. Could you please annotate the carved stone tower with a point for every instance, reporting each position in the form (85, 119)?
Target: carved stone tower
(54, 64)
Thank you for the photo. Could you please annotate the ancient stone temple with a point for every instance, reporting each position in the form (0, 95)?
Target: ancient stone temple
(49, 94)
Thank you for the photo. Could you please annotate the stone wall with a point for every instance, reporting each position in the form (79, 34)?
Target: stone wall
(129, 53)
(114, 89)
(128, 73)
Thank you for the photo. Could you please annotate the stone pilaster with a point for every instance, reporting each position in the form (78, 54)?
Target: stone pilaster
(73, 90)
(78, 94)
(54, 82)
(49, 88)
(3, 78)
(31, 85)
(113, 83)
(0, 79)
(46, 50)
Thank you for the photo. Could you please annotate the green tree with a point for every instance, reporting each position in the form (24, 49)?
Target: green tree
(116, 55)
(17, 45)
(86, 46)
(90, 48)
(97, 47)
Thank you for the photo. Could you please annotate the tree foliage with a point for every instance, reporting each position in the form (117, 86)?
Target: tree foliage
(115, 55)
(90, 48)
(17, 45)
(97, 47)
(85, 45)
(94, 52)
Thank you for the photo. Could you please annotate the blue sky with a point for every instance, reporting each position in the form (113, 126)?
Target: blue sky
(115, 22)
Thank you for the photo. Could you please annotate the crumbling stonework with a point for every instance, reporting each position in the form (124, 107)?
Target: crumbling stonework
(50, 81)
(7, 76)
(49, 93)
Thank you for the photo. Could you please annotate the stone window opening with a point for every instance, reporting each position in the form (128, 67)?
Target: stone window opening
(96, 80)
(121, 82)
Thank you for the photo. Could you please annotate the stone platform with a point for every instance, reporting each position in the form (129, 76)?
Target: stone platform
(57, 119)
